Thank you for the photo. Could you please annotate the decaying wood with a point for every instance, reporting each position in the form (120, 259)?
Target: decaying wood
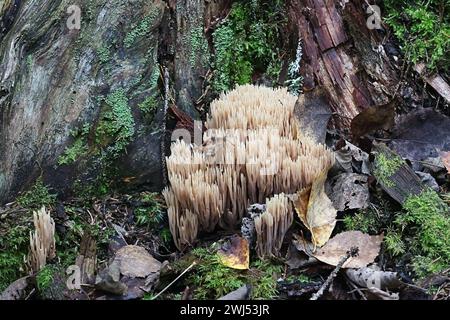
(435, 80)
(404, 182)
(340, 55)
(87, 258)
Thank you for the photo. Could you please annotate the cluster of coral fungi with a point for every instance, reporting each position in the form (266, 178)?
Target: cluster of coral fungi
(253, 151)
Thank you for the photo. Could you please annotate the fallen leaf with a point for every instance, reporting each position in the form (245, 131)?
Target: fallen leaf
(135, 261)
(333, 251)
(420, 135)
(373, 119)
(313, 113)
(445, 156)
(316, 210)
(235, 253)
(349, 191)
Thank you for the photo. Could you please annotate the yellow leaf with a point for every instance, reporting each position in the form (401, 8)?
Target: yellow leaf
(316, 210)
(235, 253)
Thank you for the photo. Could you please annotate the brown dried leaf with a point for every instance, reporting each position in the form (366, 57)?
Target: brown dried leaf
(135, 261)
(373, 119)
(235, 253)
(337, 247)
(320, 215)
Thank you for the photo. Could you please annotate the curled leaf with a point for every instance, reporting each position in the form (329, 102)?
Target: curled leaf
(316, 210)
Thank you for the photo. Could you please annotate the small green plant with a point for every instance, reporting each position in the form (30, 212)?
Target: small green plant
(213, 280)
(103, 54)
(149, 105)
(199, 47)
(264, 279)
(44, 278)
(78, 148)
(426, 228)
(29, 61)
(38, 196)
(385, 167)
(394, 243)
(74, 152)
(150, 213)
(13, 249)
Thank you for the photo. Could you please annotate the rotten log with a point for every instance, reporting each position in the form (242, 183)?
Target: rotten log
(87, 258)
(403, 182)
(342, 56)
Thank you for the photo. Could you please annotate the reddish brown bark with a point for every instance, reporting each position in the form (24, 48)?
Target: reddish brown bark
(341, 55)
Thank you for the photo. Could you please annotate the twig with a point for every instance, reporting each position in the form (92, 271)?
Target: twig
(163, 140)
(30, 294)
(353, 252)
(186, 270)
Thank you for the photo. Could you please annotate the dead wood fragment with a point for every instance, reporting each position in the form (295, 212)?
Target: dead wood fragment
(403, 182)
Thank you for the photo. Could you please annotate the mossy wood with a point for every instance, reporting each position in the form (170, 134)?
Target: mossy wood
(394, 175)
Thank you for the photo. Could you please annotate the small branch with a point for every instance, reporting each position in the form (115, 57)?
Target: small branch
(187, 269)
(163, 140)
(353, 252)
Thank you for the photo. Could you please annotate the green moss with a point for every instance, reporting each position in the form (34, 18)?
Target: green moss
(425, 230)
(72, 153)
(149, 105)
(212, 279)
(38, 196)
(365, 221)
(150, 211)
(423, 28)
(385, 167)
(248, 42)
(78, 148)
(394, 243)
(142, 28)
(13, 250)
(44, 278)
(29, 61)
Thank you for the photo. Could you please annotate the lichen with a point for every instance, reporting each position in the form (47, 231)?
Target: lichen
(199, 50)
(142, 28)
(116, 126)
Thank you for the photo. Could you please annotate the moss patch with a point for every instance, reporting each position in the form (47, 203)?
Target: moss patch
(385, 167)
(39, 195)
(212, 279)
(248, 42)
(423, 28)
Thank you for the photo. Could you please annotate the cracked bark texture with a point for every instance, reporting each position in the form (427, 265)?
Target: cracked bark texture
(342, 56)
(51, 79)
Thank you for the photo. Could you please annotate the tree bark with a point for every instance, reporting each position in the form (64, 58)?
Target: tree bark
(342, 56)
